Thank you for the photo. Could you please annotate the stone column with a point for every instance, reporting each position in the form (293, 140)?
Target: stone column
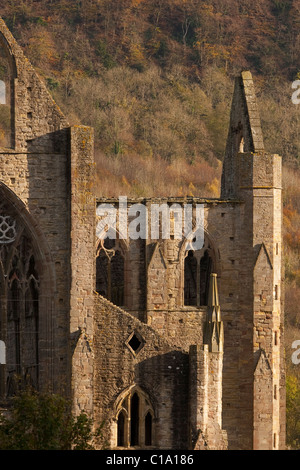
(82, 266)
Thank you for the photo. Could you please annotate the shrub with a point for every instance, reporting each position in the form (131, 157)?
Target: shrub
(38, 421)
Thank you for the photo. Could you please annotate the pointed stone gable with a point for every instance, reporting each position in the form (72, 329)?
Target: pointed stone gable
(252, 116)
(263, 278)
(36, 115)
(262, 367)
(262, 412)
(245, 134)
(157, 279)
(263, 254)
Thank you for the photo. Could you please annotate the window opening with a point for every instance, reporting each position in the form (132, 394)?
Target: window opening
(198, 266)
(134, 343)
(134, 435)
(19, 314)
(148, 429)
(110, 269)
(205, 272)
(242, 145)
(135, 420)
(117, 279)
(190, 279)
(121, 429)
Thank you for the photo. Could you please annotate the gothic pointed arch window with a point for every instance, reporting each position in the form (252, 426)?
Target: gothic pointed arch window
(190, 279)
(110, 271)
(121, 429)
(135, 420)
(19, 307)
(198, 265)
(148, 428)
(6, 94)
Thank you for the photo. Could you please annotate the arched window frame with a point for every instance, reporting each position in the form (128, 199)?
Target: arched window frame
(118, 245)
(22, 223)
(123, 405)
(208, 247)
(121, 440)
(19, 315)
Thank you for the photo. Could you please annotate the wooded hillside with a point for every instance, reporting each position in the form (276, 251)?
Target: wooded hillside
(154, 78)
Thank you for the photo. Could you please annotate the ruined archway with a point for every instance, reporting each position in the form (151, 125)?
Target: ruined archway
(27, 286)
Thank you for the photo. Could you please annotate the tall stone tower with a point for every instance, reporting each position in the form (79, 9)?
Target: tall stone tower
(253, 176)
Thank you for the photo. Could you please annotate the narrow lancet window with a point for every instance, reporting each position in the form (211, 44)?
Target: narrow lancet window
(121, 429)
(190, 279)
(110, 267)
(205, 272)
(134, 435)
(19, 315)
(148, 429)
(198, 266)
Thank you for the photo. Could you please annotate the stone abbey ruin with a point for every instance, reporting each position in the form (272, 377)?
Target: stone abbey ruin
(173, 347)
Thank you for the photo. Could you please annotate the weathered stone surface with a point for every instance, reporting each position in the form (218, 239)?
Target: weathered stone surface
(143, 367)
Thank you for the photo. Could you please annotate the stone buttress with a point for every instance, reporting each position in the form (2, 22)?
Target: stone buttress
(253, 176)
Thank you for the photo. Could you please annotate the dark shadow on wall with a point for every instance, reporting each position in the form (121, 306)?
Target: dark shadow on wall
(165, 377)
(53, 142)
(49, 170)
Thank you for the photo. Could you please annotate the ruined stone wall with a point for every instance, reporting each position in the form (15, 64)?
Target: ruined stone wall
(155, 269)
(35, 168)
(183, 325)
(254, 177)
(50, 221)
(159, 368)
(49, 167)
(246, 280)
(47, 176)
(205, 399)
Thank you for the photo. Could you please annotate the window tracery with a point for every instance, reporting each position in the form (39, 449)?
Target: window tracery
(135, 420)
(19, 308)
(198, 265)
(110, 264)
